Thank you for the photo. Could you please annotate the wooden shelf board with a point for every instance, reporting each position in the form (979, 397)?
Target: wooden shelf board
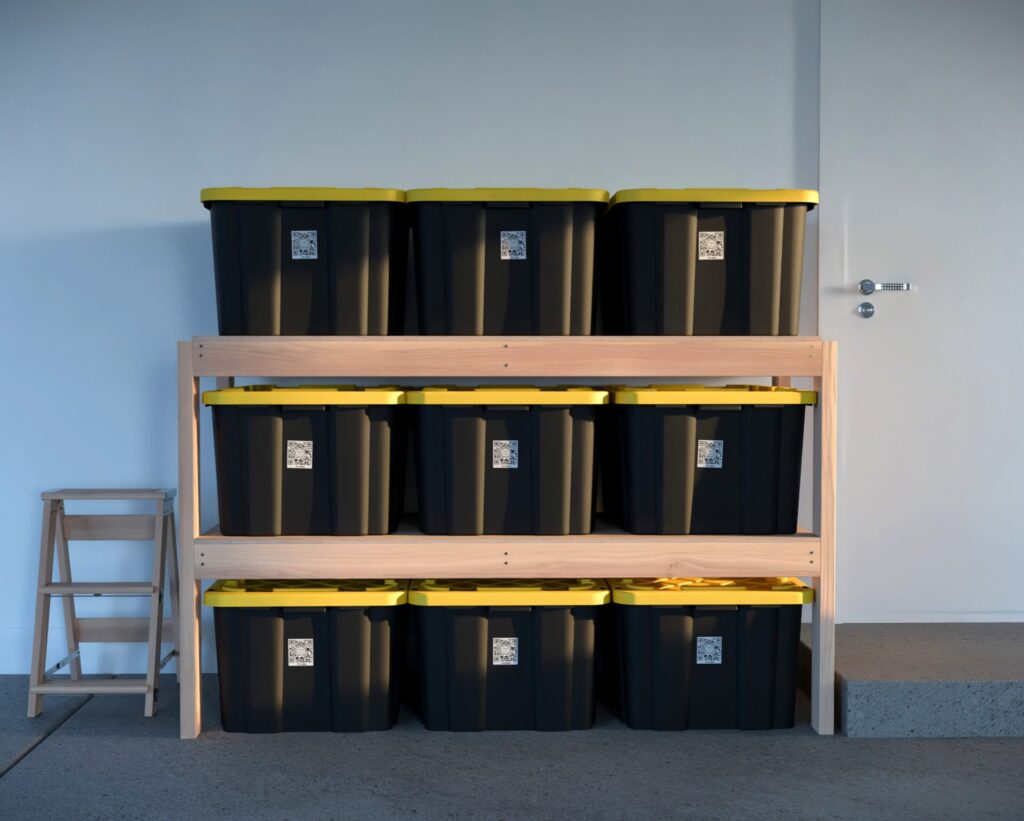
(592, 357)
(411, 554)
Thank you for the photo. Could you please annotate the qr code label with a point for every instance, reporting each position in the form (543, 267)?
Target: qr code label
(300, 454)
(304, 245)
(711, 245)
(710, 453)
(300, 652)
(505, 454)
(505, 652)
(709, 649)
(513, 245)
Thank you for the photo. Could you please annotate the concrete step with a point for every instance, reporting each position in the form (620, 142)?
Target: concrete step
(928, 680)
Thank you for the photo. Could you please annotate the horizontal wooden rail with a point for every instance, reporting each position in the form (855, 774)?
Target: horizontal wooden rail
(119, 630)
(83, 686)
(414, 555)
(98, 589)
(109, 494)
(591, 357)
(112, 528)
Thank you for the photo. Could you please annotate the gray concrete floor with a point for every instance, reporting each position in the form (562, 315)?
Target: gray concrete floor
(929, 680)
(102, 759)
(930, 652)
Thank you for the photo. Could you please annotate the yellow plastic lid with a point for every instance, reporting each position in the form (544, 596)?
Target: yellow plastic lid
(750, 196)
(506, 195)
(508, 592)
(506, 395)
(701, 395)
(710, 591)
(301, 195)
(304, 395)
(306, 593)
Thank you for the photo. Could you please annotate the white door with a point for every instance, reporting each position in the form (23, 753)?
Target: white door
(922, 180)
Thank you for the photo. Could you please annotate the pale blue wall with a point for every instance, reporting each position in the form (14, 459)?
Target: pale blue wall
(114, 114)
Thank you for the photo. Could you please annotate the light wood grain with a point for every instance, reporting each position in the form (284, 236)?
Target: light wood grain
(37, 670)
(189, 667)
(100, 686)
(414, 555)
(108, 528)
(119, 630)
(97, 494)
(172, 576)
(99, 588)
(156, 612)
(823, 628)
(67, 602)
(515, 357)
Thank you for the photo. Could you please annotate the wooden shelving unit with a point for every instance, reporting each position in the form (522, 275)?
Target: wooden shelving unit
(606, 553)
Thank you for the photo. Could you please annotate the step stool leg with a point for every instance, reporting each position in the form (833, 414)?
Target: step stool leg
(172, 571)
(42, 622)
(68, 602)
(156, 612)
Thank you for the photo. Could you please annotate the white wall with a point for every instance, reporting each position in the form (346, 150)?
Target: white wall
(114, 114)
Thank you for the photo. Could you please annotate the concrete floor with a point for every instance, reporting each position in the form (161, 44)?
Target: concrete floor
(939, 680)
(99, 758)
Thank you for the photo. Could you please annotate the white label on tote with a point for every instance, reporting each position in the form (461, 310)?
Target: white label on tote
(709, 649)
(300, 454)
(505, 652)
(513, 245)
(710, 453)
(300, 652)
(505, 453)
(711, 245)
(304, 245)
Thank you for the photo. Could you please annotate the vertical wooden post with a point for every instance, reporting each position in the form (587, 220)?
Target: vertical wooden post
(172, 572)
(189, 660)
(156, 611)
(42, 621)
(823, 660)
(68, 602)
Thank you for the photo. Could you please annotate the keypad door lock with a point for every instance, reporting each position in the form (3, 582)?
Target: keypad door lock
(868, 287)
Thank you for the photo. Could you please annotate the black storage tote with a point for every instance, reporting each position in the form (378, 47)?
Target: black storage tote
(704, 261)
(505, 260)
(505, 460)
(708, 653)
(692, 459)
(309, 655)
(307, 261)
(507, 654)
(310, 460)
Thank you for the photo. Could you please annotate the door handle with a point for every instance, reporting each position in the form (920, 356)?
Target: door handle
(868, 287)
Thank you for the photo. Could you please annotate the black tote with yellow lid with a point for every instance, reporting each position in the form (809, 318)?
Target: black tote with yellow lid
(704, 261)
(693, 459)
(505, 260)
(309, 460)
(707, 653)
(308, 654)
(507, 654)
(308, 261)
(505, 459)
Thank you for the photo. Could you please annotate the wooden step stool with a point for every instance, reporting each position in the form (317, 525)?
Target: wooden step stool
(60, 528)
